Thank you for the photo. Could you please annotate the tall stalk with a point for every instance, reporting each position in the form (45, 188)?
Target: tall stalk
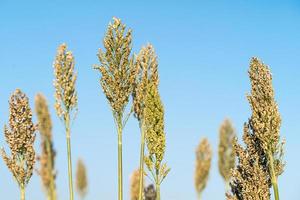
(273, 177)
(142, 155)
(120, 160)
(70, 174)
(66, 98)
(118, 75)
(22, 192)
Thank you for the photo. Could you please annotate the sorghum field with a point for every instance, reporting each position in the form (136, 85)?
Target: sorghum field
(149, 100)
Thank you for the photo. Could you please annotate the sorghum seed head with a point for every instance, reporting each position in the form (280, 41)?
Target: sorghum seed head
(203, 163)
(20, 136)
(226, 150)
(251, 178)
(265, 121)
(46, 159)
(146, 68)
(64, 82)
(81, 179)
(153, 118)
(135, 185)
(154, 123)
(117, 66)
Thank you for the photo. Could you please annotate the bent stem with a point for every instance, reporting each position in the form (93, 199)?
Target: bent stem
(22, 191)
(273, 176)
(120, 167)
(142, 155)
(68, 136)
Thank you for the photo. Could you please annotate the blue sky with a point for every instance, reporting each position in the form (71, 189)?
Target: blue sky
(204, 48)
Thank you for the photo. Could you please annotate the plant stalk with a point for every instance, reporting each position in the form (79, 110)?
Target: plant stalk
(22, 191)
(120, 167)
(273, 176)
(199, 196)
(157, 191)
(68, 136)
(142, 155)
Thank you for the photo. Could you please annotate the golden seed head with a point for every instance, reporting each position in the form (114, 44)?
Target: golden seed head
(135, 185)
(154, 124)
(251, 178)
(146, 67)
(154, 133)
(20, 136)
(81, 179)
(265, 121)
(117, 66)
(46, 159)
(226, 150)
(64, 82)
(203, 163)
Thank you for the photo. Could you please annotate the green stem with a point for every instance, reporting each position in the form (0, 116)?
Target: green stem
(157, 185)
(120, 167)
(273, 176)
(199, 196)
(22, 192)
(157, 191)
(68, 136)
(142, 155)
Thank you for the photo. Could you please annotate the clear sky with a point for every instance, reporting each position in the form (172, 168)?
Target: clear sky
(204, 48)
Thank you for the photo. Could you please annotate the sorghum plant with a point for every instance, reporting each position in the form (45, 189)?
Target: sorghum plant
(134, 185)
(66, 98)
(118, 76)
(226, 150)
(20, 136)
(146, 68)
(81, 179)
(261, 135)
(46, 159)
(155, 137)
(203, 163)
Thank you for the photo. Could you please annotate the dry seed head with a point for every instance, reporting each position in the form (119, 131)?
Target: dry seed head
(116, 66)
(47, 157)
(135, 185)
(226, 150)
(64, 83)
(249, 178)
(146, 68)
(265, 121)
(20, 136)
(154, 123)
(81, 179)
(203, 163)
